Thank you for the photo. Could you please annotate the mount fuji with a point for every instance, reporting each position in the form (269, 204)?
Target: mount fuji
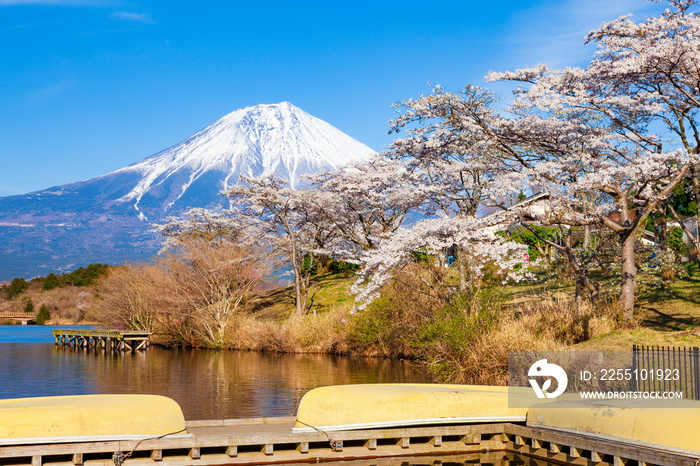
(109, 219)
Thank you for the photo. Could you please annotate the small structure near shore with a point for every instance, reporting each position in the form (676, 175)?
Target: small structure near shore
(109, 340)
(24, 317)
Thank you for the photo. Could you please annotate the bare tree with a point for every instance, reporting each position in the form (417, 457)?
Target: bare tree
(213, 282)
(134, 296)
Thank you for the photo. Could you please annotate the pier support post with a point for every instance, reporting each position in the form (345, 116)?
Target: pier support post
(110, 340)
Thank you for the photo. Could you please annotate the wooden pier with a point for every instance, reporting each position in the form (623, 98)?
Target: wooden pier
(268, 441)
(109, 340)
(24, 317)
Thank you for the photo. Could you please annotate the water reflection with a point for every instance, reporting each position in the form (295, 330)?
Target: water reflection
(225, 384)
(207, 384)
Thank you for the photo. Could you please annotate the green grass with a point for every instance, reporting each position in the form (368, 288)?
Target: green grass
(622, 340)
(677, 309)
(665, 317)
(326, 292)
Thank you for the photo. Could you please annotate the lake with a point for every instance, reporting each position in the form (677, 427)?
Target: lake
(206, 384)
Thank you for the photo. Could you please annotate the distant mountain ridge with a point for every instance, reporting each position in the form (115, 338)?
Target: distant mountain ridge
(108, 218)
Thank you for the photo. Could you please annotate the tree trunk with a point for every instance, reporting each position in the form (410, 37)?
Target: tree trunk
(587, 237)
(460, 260)
(695, 239)
(299, 289)
(629, 277)
(583, 282)
(299, 295)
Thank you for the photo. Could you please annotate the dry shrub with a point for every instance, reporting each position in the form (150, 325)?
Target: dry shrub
(540, 326)
(485, 360)
(251, 333)
(214, 281)
(322, 333)
(568, 321)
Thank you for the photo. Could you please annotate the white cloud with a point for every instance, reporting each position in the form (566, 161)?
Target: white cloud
(131, 16)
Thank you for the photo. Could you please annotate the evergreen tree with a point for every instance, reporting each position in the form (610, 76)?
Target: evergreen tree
(50, 282)
(16, 287)
(29, 307)
(43, 316)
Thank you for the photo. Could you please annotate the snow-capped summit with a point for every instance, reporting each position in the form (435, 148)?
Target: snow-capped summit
(253, 141)
(109, 218)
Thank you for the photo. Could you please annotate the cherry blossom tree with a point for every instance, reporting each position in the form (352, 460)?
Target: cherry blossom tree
(267, 214)
(282, 218)
(624, 128)
(338, 214)
(364, 203)
(608, 142)
(456, 167)
(209, 224)
(445, 154)
(433, 236)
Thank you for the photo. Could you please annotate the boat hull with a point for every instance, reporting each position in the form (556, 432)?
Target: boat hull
(88, 418)
(367, 406)
(669, 424)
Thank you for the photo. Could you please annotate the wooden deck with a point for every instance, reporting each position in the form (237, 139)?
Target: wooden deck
(24, 317)
(267, 441)
(110, 340)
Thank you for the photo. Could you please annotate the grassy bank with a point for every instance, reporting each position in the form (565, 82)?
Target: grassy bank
(467, 339)
(457, 337)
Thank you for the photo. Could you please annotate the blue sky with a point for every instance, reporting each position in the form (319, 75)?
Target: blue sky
(89, 86)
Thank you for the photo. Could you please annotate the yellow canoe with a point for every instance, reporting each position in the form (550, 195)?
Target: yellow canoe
(88, 418)
(669, 424)
(366, 406)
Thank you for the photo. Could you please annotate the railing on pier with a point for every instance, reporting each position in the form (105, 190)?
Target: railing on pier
(667, 369)
(110, 340)
(22, 316)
